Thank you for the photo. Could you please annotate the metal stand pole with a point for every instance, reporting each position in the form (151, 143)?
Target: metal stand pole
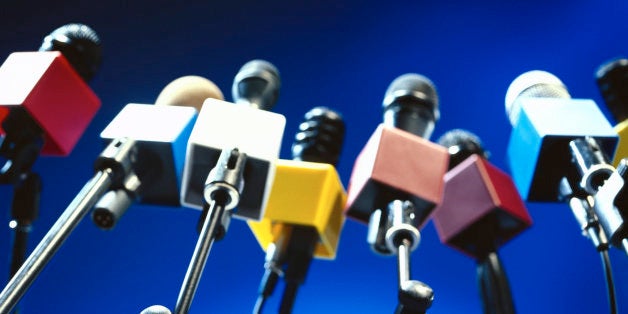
(199, 258)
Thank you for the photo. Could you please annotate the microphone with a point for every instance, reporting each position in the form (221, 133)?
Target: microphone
(481, 210)
(161, 144)
(222, 125)
(79, 44)
(257, 84)
(382, 172)
(545, 119)
(612, 79)
(49, 103)
(190, 90)
(304, 214)
(558, 151)
(156, 309)
(397, 180)
(553, 161)
(45, 106)
(137, 161)
(230, 168)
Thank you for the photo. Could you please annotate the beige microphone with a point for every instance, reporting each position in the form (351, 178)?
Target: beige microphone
(189, 91)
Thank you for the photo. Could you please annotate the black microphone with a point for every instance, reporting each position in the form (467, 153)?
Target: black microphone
(257, 84)
(411, 104)
(612, 80)
(80, 45)
(304, 215)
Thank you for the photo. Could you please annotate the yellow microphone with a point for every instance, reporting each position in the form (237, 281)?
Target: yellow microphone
(304, 214)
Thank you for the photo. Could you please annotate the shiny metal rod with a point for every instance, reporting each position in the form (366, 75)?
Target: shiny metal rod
(199, 258)
(53, 240)
(403, 258)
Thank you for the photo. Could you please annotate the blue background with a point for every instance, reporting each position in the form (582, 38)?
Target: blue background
(341, 54)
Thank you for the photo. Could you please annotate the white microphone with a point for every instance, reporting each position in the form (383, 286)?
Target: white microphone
(161, 132)
(224, 125)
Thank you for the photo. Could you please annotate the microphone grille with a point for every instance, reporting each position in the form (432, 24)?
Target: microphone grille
(257, 83)
(156, 309)
(79, 44)
(320, 136)
(416, 87)
(461, 144)
(612, 81)
(539, 84)
(189, 91)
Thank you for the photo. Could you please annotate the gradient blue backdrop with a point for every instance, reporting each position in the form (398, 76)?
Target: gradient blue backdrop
(341, 54)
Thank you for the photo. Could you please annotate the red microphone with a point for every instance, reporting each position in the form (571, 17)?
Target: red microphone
(481, 210)
(44, 97)
(45, 106)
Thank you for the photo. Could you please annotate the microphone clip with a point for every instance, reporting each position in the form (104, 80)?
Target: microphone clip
(224, 185)
(388, 228)
(226, 179)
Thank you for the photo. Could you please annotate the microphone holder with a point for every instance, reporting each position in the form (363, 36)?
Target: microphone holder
(20, 146)
(112, 166)
(582, 208)
(221, 195)
(24, 210)
(601, 189)
(393, 232)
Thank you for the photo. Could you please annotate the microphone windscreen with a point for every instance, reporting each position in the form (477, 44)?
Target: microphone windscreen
(411, 104)
(612, 81)
(156, 309)
(188, 91)
(79, 44)
(257, 83)
(461, 144)
(538, 84)
(320, 137)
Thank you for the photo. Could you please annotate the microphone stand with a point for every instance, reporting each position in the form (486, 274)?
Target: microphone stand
(113, 164)
(393, 232)
(494, 287)
(491, 276)
(20, 146)
(222, 193)
(300, 252)
(603, 187)
(597, 200)
(24, 210)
